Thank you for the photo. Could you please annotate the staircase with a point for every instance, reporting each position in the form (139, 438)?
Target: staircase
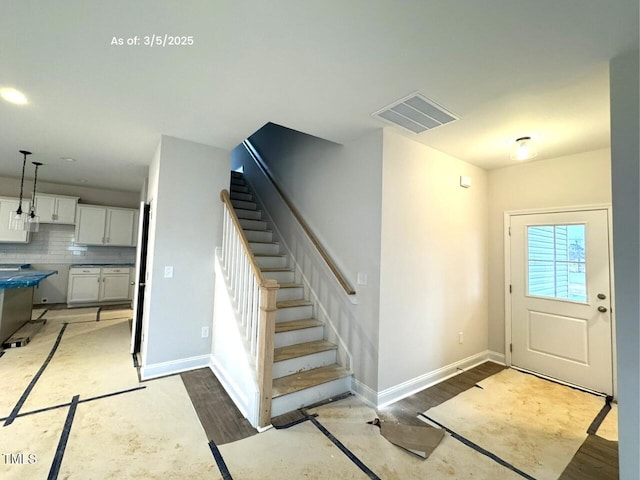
(305, 368)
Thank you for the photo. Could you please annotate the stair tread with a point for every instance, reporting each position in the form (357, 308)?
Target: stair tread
(276, 269)
(302, 349)
(290, 285)
(271, 255)
(297, 325)
(266, 243)
(254, 230)
(293, 303)
(307, 379)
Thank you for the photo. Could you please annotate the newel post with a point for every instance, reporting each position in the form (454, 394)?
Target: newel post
(266, 336)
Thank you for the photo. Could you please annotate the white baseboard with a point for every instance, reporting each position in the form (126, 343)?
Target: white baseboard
(247, 406)
(402, 390)
(365, 393)
(155, 370)
(496, 357)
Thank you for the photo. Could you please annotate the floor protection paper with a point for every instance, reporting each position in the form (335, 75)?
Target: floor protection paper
(92, 359)
(533, 424)
(609, 427)
(347, 421)
(153, 433)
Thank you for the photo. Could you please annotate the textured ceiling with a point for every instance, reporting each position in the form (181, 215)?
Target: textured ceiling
(507, 67)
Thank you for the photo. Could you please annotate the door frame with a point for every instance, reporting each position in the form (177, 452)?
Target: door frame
(507, 276)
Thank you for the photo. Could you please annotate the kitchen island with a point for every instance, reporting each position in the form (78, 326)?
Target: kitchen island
(16, 296)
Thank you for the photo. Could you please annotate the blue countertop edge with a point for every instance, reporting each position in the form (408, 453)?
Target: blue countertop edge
(24, 278)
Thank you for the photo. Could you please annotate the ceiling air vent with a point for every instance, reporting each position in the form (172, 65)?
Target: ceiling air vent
(416, 114)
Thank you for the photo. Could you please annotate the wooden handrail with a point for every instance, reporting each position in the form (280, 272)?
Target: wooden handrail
(323, 253)
(267, 320)
(224, 196)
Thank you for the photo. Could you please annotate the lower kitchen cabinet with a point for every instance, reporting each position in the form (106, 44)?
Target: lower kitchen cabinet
(95, 285)
(115, 284)
(84, 285)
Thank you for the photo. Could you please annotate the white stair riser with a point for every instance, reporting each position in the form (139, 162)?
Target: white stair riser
(293, 401)
(280, 277)
(247, 197)
(243, 204)
(292, 337)
(272, 262)
(239, 188)
(294, 293)
(249, 214)
(253, 224)
(267, 248)
(294, 313)
(257, 236)
(300, 364)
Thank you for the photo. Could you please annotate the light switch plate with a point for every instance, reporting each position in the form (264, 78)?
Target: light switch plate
(362, 279)
(168, 271)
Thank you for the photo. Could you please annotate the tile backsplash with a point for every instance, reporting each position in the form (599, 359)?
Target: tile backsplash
(55, 244)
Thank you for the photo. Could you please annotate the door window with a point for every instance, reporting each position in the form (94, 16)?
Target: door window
(556, 262)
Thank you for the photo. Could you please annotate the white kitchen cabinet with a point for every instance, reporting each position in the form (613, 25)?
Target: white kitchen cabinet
(106, 226)
(95, 285)
(115, 284)
(8, 207)
(56, 208)
(84, 285)
(121, 227)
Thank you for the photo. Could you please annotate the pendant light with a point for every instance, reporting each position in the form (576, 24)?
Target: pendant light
(523, 150)
(33, 220)
(18, 219)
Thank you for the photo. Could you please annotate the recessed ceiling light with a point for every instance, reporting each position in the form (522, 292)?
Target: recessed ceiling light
(14, 96)
(68, 159)
(82, 180)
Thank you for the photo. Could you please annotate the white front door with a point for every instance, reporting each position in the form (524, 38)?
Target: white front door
(561, 297)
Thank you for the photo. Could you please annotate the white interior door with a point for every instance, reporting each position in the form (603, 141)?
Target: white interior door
(560, 299)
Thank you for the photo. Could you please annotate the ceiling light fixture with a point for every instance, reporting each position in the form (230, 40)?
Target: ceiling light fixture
(14, 96)
(523, 149)
(33, 220)
(18, 219)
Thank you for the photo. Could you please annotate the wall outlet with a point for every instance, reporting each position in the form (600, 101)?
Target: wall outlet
(460, 337)
(168, 271)
(205, 332)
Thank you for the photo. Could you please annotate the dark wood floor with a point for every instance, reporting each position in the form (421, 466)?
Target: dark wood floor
(597, 458)
(407, 409)
(220, 418)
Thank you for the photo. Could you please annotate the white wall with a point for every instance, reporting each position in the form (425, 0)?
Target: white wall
(185, 179)
(96, 196)
(433, 281)
(626, 242)
(337, 189)
(581, 179)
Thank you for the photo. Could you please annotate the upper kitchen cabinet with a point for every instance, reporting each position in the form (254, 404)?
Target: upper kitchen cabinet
(8, 207)
(106, 226)
(56, 208)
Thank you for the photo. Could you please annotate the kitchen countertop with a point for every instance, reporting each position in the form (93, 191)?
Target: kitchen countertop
(23, 278)
(96, 265)
(14, 266)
